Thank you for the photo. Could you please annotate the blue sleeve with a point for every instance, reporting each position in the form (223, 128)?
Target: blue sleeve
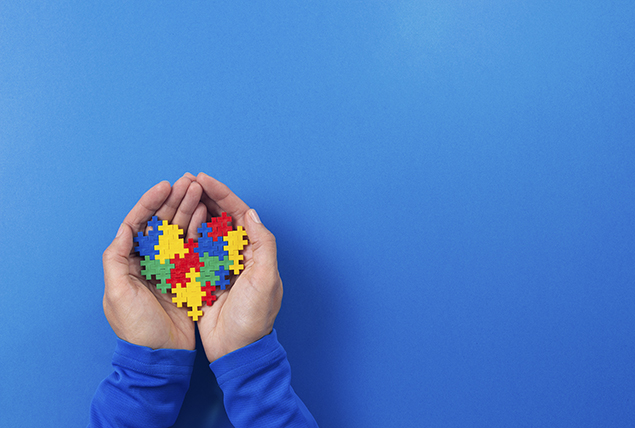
(146, 389)
(256, 384)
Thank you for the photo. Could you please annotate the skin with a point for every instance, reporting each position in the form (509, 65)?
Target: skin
(242, 314)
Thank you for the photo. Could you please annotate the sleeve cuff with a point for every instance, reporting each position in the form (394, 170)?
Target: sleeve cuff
(153, 361)
(241, 362)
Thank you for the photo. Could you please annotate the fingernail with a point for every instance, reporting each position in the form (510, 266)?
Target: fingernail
(120, 231)
(254, 216)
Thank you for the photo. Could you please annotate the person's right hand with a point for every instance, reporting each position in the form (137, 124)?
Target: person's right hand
(138, 312)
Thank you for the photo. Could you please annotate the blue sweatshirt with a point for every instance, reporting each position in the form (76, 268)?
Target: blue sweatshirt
(148, 386)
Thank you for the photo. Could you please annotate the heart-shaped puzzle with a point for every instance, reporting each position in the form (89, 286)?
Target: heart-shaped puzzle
(192, 270)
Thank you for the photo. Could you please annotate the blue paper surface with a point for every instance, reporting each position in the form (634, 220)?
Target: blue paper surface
(451, 186)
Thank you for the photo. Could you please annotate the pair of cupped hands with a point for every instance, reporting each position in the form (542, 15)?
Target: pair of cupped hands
(242, 314)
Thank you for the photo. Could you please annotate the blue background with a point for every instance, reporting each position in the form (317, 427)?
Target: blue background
(452, 187)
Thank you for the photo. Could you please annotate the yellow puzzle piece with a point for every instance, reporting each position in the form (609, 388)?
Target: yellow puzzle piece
(236, 241)
(190, 293)
(170, 242)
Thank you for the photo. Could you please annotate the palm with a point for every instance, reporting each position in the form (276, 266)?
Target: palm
(226, 322)
(166, 325)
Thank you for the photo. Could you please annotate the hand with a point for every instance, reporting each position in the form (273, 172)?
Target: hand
(244, 312)
(138, 312)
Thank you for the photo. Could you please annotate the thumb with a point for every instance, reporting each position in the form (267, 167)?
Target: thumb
(263, 243)
(115, 258)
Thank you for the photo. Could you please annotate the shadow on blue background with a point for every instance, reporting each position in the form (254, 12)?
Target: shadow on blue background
(203, 403)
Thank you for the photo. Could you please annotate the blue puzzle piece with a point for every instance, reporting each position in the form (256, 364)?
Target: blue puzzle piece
(146, 245)
(205, 245)
(218, 249)
(205, 230)
(223, 275)
(155, 223)
(211, 247)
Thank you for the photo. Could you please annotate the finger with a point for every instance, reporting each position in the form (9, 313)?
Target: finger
(149, 203)
(115, 258)
(212, 207)
(199, 217)
(172, 203)
(222, 198)
(189, 203)
(263, 243)
(192, 177)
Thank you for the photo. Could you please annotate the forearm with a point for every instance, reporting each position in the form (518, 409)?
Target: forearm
(146, 389)
(256, 383)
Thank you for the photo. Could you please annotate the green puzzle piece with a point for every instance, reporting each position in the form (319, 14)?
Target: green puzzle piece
(161, 272)
(211, 265)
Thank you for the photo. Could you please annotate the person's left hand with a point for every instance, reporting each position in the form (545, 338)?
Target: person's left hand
(138, 312)
(245, 311)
